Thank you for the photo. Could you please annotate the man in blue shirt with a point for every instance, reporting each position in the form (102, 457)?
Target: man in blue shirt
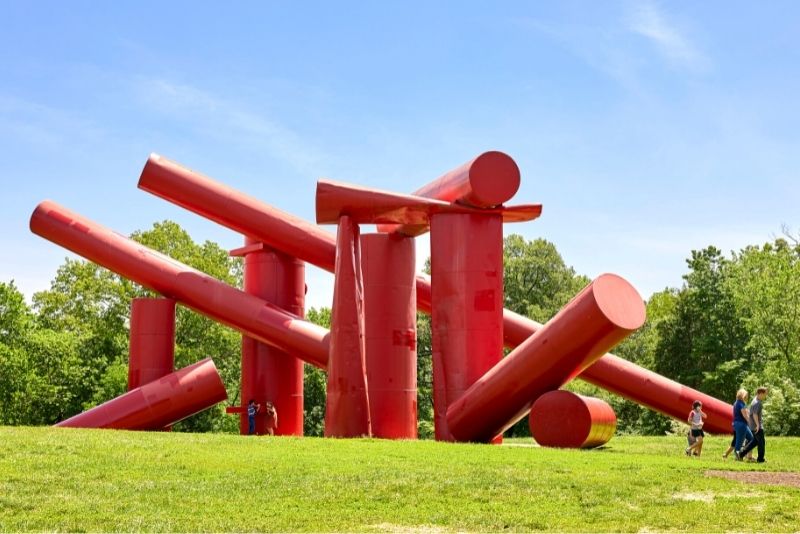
(252, 410)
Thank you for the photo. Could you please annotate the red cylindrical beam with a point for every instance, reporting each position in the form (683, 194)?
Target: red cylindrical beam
(488, 180)
(571, 421)
(347, 402)
(600, 316)
(199, 291)
(388, 264)
(467, 293)
(157, 404)
(228, 207)
(152, 340)
(306, 241)
(268, 373)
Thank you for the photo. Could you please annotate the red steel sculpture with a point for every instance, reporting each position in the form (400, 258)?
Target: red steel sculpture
(157, 404)
(571, 421)
(268, 373)
(283, 231)
(370, 353)
(151, 352)
(390, 326)
(347, 404)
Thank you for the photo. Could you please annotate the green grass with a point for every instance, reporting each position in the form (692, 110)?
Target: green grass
(93, 480)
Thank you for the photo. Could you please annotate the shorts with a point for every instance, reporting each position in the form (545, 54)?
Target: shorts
(696, 432)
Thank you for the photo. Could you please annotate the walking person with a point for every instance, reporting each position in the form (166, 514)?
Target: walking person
(695, 420)
(757, 423)
(741, 426)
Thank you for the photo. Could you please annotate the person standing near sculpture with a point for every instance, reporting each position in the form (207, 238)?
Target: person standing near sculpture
(271, 415)
(757, 424)
(741, 426)
(252, 410)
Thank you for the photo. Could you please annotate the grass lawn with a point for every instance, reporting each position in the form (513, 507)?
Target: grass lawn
(90, 480)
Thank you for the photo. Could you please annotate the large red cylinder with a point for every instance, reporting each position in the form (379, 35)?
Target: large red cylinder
(157, 404)
(283, 231)
(199, 291)
(467, 294)
(600, 316)
(228, 207)
(152, 340)
(571, 421)
(347, 403)
(488, 180)
(268, 373)
(388, 264)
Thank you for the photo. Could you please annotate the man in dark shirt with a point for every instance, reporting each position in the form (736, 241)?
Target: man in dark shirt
(757, 422)
(252, 410)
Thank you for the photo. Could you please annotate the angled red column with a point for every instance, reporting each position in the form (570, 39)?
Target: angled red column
(151, 348)
(283, 231)
(571, 421)
(388, 265)
(467, 317)
(347, 403)
(268, 373)
(199, 291)
(157, 404)
(600, 316)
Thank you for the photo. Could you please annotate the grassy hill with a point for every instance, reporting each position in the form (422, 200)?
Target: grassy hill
(89, 480)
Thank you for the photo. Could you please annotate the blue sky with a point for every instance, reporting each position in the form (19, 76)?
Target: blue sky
(646, 129)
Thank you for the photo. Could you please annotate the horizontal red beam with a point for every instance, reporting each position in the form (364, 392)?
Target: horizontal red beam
(489, 180)
(374, 206)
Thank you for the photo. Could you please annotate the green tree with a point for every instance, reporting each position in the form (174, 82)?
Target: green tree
(765, 284)
(704, 343)
(537, 283)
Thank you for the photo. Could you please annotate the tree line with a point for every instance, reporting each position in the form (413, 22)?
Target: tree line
(734, 322)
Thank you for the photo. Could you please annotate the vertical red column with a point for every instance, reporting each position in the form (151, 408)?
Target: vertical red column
(269, 374)
(347, 402)
(390, 298)
(467, 302)
(152, 340)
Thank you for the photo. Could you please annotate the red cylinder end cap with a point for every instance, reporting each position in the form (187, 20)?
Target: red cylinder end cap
(494, 178)
(619, 301)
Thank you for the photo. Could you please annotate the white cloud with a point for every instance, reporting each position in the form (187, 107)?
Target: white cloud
(230, 121)
(649, 21)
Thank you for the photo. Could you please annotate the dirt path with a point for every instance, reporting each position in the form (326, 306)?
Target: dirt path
(759, 477)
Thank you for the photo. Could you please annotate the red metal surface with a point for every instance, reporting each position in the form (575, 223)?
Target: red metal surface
(157, 404)
(388, 263)
(268, 373)
(204, 294)
(467, 318)
(308, 242)
(599, 317)
(488, 180)
(373, 206)
(228, 207)
(347, 404)
(568, 420)
(151, 352)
